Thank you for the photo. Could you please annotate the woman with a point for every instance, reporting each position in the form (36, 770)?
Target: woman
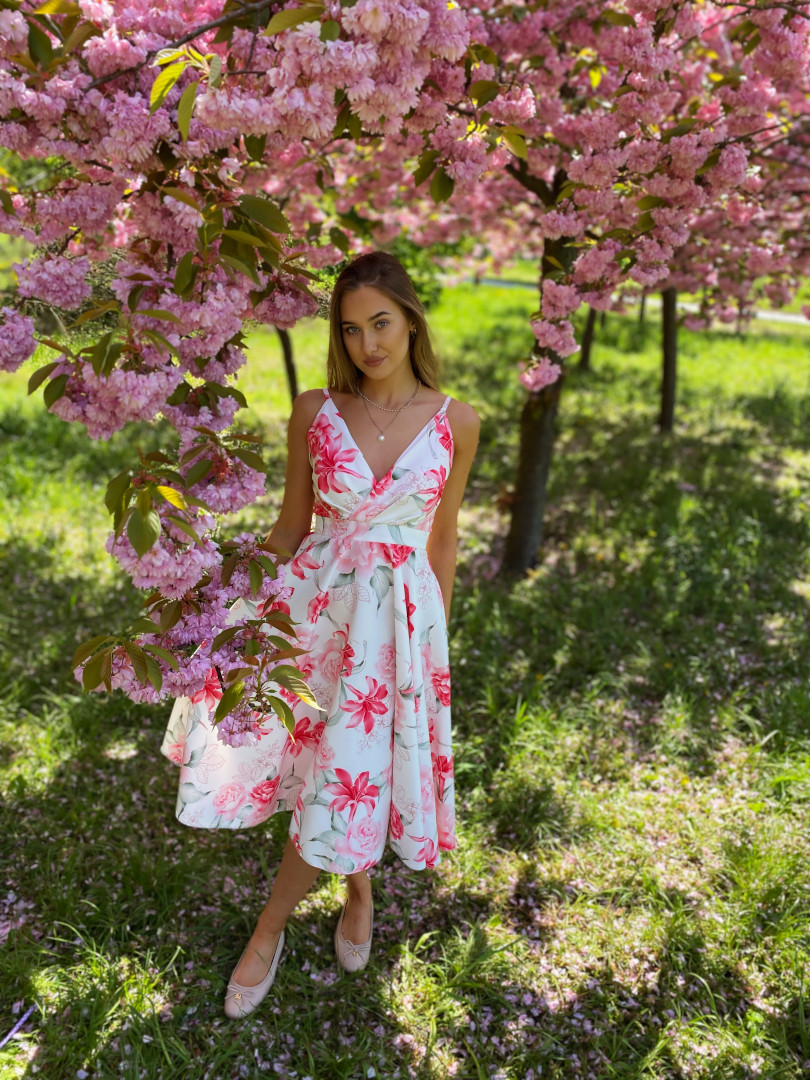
(382, 458)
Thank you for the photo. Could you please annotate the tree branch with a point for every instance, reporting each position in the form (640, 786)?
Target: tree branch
(223, 20)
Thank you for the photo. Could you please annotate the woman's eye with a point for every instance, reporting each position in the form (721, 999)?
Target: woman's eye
(382, 322)
(349, 329)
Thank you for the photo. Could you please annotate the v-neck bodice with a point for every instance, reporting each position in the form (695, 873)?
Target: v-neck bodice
(347, 489)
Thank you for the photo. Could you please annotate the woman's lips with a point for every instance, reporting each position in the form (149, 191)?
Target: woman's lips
(373, 361)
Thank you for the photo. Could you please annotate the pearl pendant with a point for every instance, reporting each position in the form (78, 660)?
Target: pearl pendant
(380, 438)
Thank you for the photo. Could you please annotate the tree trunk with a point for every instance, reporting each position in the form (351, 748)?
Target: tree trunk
(603, 321)
(587, 341)
(666, 419)
(289, 363)
(537, 423)
(641, 307)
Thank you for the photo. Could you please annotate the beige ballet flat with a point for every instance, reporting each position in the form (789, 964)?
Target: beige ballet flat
(352, 957)
(240, 1001)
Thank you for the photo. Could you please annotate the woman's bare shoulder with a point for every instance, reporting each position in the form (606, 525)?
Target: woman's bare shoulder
(465, 422)
(306, 407)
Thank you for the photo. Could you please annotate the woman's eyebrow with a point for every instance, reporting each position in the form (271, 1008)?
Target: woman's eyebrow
(348, 322)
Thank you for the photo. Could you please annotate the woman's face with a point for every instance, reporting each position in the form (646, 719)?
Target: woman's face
(375, 331)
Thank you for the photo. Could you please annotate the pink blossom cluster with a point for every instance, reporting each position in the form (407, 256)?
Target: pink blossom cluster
(16, 338)
(540, 374)
(169, 565)
(57, 280)
(285, 306)
(106, 403)
(230, 484)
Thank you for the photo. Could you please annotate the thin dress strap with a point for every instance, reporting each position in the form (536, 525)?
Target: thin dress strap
(443, 409)
(326, 393)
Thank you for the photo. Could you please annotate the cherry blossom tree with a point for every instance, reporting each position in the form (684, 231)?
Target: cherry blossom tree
(178, 134)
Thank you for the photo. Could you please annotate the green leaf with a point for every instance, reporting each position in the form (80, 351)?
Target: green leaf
(516, 141)
(115, 490)
(427, 163)
(290, 678)
(87, 648)
(215, 72)
(138, 658)
(170, 615)
(184, 274)
(243, 237)
(171, 495)
(229, 700)
(241, 267)
(40, 375)
(159, 313)
(482, 91)
(617, 18)
(157, 338)
(264, 211)
(255, 146)
(39, 45)
(339, 238)
(648, 202)
(164, 655)
(256, 576)
(163, 84)
(198, 471)
(269, 565)
(54, 390)
(58, 7)
(144, 625)
(223, 637)
(91, 676)
(292, 17)
(250, 457)
(93, 313)
(330, 30)
(143, 531)
(185, 108)
(184, 527)
(154, 673)
(441, 186)
(283, 712)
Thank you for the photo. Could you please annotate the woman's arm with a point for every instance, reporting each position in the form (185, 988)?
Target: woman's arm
(295, 518)
(442, 542)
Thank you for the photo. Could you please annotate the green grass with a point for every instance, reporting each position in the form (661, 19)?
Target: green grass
(631, 893)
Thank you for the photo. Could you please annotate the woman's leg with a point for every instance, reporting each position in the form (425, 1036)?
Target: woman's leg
(357, 920)
(293, 881)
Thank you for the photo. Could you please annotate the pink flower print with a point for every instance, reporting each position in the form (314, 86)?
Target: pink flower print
(446, 825)
(395, 823)
(427, 853)
(326, 754)
(316, 605)
(441, 684)
(409, 610)
(273, 605)
(445, 435)
(308, 661)
(363, 557)
(211, 691)
(363, 838)
(265, 791)
(352, 793)
(397, 554)
(367, 706)
(426, 789)
(228, 799)
(321, 432)
(427, 659)
(329, 460)
(303, 562)
(338, 656)
(306, 734)
(443, 769)
(433, 495)
(387, 660)
(379, 487)
(177, 751)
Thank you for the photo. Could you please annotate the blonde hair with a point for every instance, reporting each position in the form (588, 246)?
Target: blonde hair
(386, 273)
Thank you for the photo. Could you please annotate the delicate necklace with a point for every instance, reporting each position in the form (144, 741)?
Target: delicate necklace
(366, 400)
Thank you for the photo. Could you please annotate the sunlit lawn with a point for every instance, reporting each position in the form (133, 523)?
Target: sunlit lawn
(631, 893)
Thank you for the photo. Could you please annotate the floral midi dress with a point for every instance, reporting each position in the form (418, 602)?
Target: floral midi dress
(375, 762)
